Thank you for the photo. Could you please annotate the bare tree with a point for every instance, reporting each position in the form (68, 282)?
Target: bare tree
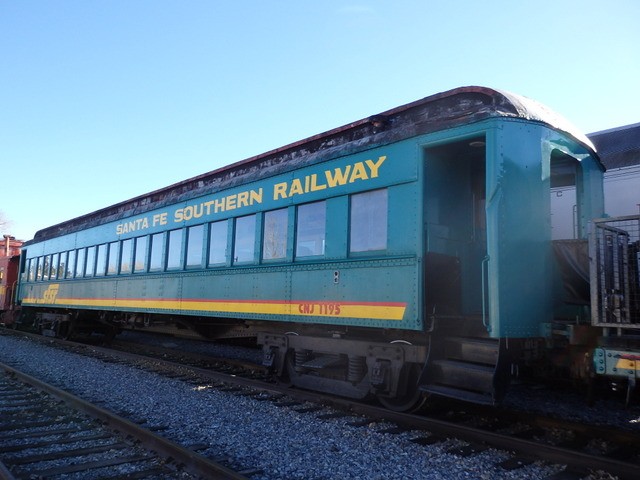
(4, 222)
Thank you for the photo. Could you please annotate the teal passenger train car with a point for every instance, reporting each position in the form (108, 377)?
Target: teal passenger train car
(406, 253)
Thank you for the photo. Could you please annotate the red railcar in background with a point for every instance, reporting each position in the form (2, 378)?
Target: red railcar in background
(9, 263)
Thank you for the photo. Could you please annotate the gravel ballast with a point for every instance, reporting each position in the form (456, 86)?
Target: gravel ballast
(284, 444)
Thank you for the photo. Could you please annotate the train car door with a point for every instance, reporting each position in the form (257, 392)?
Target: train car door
(455, 222)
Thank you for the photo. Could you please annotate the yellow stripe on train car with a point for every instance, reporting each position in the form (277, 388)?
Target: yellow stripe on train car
(364, 310)
(627, 364)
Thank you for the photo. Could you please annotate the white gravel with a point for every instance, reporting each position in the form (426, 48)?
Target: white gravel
(257, 434)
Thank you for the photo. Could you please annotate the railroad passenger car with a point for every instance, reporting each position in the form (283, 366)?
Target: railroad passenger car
(405, 254)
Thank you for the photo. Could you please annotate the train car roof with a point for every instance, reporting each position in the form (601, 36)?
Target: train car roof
(444, 110)
(618, 147)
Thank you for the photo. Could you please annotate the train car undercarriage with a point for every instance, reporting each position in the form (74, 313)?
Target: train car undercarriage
(350, 367)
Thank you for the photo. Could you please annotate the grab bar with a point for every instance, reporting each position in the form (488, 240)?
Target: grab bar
(485, 262)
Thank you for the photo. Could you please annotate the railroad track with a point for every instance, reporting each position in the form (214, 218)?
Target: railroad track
(46, 432)
(582, 448)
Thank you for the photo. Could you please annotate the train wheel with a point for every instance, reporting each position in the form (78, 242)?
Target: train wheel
(412, 399)
(283, 379)
(66, 330)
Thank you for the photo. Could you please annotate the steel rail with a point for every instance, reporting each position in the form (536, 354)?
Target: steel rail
(194, 463)
(564, 456)
(528, 448)
(572, 458)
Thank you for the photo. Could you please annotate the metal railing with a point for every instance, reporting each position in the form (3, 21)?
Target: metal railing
(614, 250)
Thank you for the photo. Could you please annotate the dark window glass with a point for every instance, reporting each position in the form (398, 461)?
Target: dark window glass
(24, 273)
(274, 241)
(195, 239)
(91, 262)
(174, 250)
(368, 221)
(218, 242)
(245, 239)
(80, 262)
(311, 229)
(139, 264)
(155, 261)
(112, 262)
(125, 256)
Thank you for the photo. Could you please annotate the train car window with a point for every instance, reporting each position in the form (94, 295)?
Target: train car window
(32, 269)
(39, 268)
(112, 258)
(274, 240)
(90, 264)
(62, 265)
(51, 270)
(101, 263)
(46, 268)
(311, 229)
(195, 241)
(174, 249)
(125, 256)
(71, 264)
(141, 248)
(80, 262)
(52, 266)
(368, 223)
(155, 261)
(55, 259)
(218, 235)
(23, 266)
(245, 239)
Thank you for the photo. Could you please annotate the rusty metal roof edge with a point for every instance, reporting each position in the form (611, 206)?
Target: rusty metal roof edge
(502, 103)
(534, 110)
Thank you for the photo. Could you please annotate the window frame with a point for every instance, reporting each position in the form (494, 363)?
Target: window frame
(174, 253)
(283, 235)
(81, 260)
(226, 237)
(55, 262)
(113, 258)
(298, 233)
(90, 261)
(192, 248)
(146, 252)
(248, 241)
(102, 252)
(124, 258)
(70, 270)
(161, 251)
(383, 224)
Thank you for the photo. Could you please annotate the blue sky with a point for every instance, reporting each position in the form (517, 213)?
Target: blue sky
(101, 101)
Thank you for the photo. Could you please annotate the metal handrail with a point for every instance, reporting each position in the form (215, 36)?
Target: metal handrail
(484, 264)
